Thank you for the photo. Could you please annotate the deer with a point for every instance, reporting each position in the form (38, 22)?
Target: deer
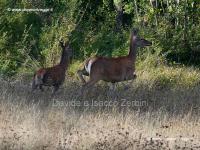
(53, 76)
(114, 69)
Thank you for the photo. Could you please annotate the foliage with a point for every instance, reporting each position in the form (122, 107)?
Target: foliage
(30, 39)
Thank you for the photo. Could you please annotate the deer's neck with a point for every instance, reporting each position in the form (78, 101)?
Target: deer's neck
(133, 51)
(64, 61)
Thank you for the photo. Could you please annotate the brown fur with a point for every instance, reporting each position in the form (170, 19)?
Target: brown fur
(114, 69)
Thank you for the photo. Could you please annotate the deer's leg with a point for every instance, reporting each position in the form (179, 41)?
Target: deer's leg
(41, 88)
(34, 85)
(56, 87)
(125, 85)
(131, 76)
(112, 90)
(81, 73)
(128, 78)
(113, 86)
(88, 85)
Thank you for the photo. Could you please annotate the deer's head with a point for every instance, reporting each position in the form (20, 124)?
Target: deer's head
(66, 48)
(140, 42)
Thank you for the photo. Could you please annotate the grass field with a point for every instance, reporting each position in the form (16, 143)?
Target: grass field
(158, 111)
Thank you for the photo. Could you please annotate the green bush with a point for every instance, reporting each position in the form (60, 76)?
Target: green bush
(29, 40)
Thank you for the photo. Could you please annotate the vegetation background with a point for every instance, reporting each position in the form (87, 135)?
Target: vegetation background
(30, 39)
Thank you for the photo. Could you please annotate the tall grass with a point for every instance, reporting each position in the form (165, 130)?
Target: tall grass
(154, 113)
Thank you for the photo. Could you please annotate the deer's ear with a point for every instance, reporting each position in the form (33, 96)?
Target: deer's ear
(66, 43)
(135, 31)
(61, 43)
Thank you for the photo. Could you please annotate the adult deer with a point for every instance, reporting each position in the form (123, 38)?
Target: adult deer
(113, 69)
(53, 76)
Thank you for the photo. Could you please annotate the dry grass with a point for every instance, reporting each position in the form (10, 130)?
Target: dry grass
(146, 116)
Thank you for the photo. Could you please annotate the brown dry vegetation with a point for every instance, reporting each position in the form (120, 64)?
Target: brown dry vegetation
(146, 116)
